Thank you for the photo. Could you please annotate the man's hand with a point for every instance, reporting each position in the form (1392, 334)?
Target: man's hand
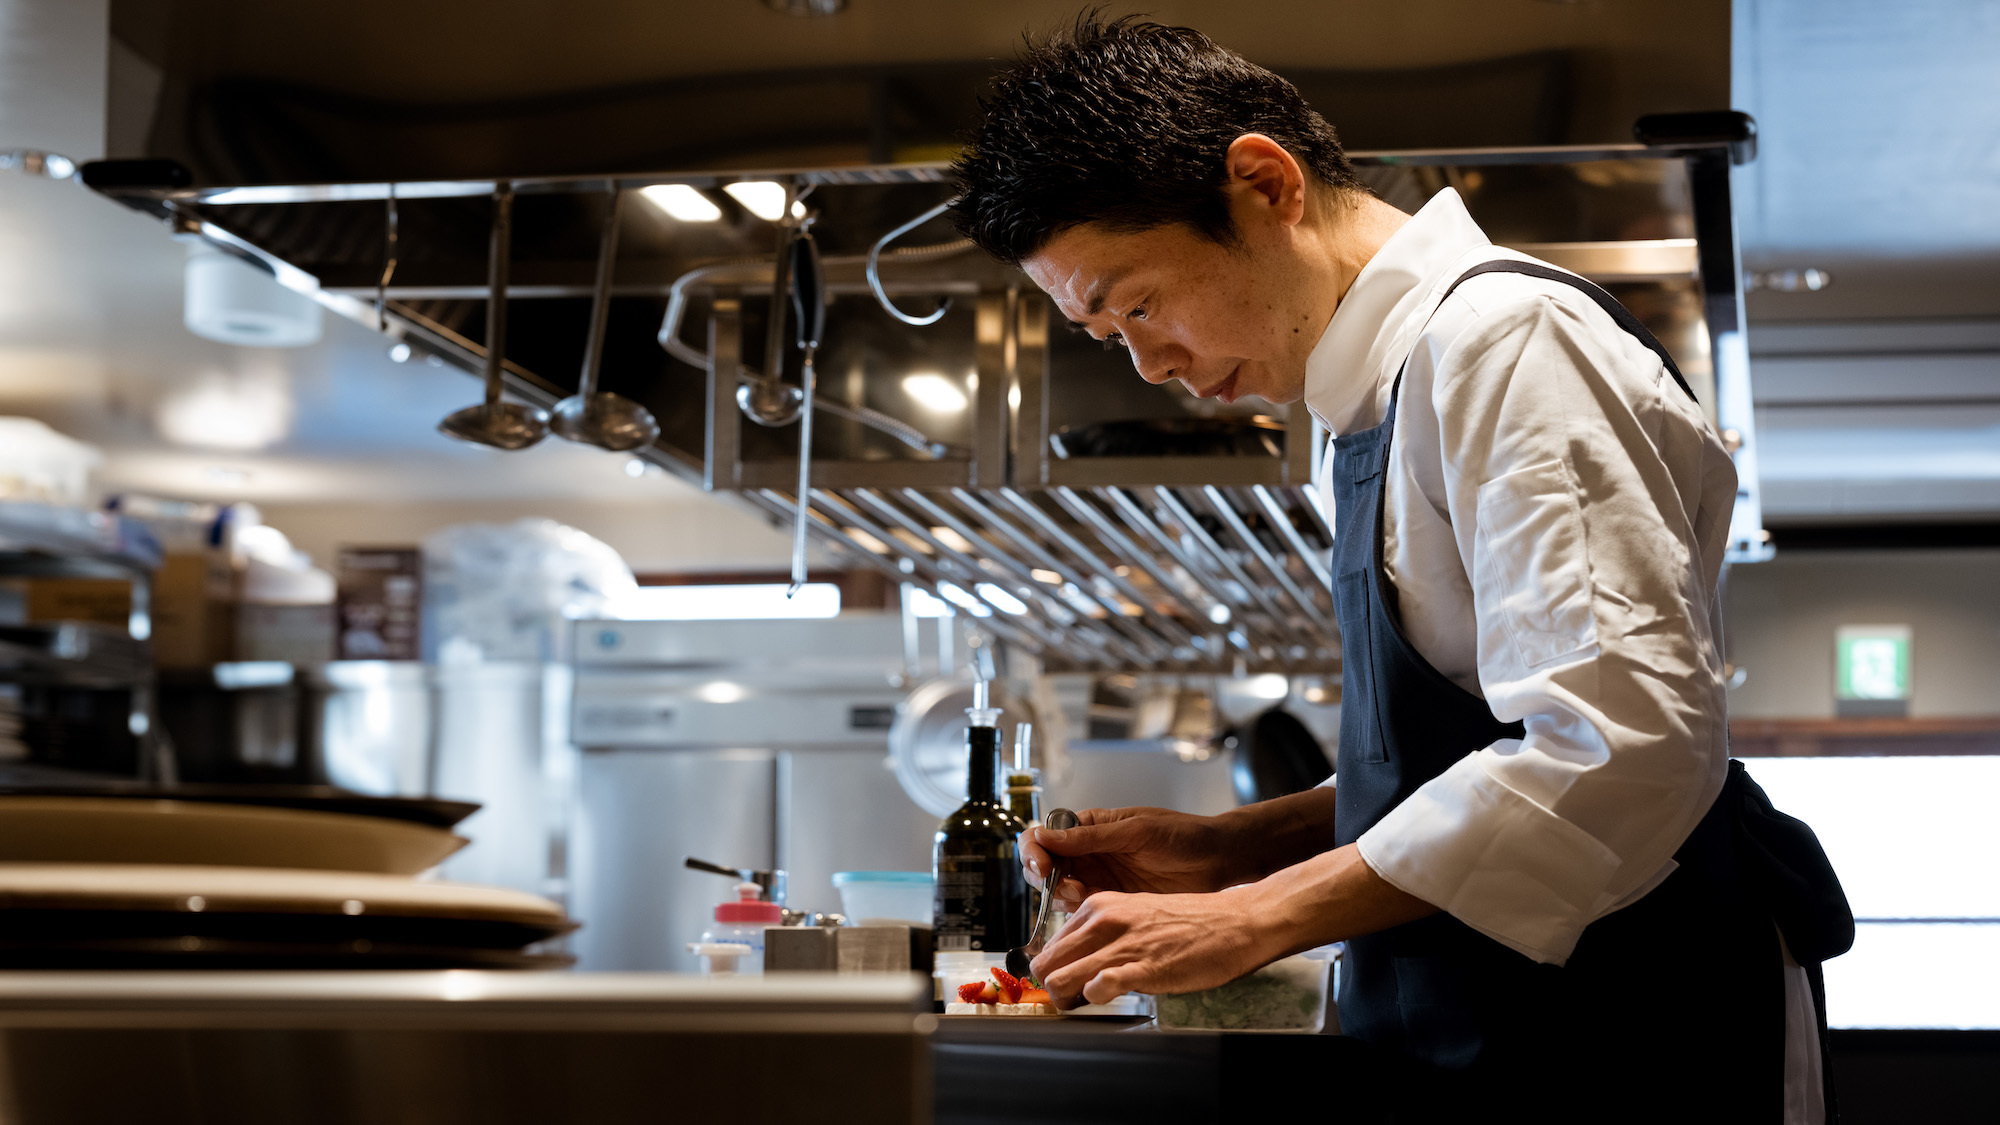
(1160, 851)
(1118, 943)
(1137, 849)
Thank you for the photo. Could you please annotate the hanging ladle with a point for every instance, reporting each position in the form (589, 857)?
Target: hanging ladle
(502, 425)
(809, 307)
(590, 416)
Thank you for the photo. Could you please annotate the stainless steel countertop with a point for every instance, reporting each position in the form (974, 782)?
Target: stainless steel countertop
(468, 999)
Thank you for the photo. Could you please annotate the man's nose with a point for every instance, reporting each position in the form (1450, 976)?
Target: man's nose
(1156, 365)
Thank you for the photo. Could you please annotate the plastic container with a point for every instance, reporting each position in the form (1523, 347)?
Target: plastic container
(874, 897)
(742, 923)
(1284, 996)
(953, 969)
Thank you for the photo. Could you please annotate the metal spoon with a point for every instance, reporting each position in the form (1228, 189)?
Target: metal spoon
(767, 399)
(1019, 960)
(590, 416)
(502, 425)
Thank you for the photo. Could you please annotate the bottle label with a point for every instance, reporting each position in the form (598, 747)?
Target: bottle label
(961, 907)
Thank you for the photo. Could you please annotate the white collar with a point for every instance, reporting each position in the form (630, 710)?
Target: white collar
(1347, 368)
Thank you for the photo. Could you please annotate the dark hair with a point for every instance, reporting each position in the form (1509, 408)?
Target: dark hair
(1127, 124)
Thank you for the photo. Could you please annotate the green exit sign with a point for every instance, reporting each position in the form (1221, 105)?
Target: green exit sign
(1873, 662)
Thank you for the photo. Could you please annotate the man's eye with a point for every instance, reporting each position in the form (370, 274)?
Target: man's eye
(1114, 340)
(1137, 314)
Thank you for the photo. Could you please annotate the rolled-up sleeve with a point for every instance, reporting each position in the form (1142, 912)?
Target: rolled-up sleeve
(1581, 486)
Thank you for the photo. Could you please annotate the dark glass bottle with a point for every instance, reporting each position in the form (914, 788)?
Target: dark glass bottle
(981, 898)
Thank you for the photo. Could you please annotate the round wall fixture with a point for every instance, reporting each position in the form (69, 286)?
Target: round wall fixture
(927, 740)
(231, 302)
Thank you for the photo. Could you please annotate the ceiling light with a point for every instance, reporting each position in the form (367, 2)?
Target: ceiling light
(399, 352)
(682, 202)
(934, 393)
(225, 413)
(762, 198)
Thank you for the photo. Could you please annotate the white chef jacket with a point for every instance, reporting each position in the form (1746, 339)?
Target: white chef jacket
(1554, 519)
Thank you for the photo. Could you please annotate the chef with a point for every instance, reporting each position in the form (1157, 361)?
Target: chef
(1557, 893)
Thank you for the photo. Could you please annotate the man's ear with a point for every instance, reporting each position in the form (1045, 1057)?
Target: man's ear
(1266, 177)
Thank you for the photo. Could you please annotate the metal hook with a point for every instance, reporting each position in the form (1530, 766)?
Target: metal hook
(875, 275)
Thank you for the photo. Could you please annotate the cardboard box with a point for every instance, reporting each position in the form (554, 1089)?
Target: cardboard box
(194, 621)
(97, 601)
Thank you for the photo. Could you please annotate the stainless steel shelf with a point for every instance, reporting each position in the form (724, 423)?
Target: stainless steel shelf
(74, 654)
(59, 540)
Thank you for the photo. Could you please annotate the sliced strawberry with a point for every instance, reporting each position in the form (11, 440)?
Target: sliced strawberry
(989, 993)
(1035, 996)
(1010, 986)
(969, 993)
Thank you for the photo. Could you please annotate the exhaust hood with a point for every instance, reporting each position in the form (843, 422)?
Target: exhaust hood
(1017, 471)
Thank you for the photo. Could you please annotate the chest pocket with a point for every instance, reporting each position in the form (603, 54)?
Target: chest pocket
(1532, 566)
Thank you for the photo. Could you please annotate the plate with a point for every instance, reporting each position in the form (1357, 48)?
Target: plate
(188, 952)
(215, 891)
(40, 829)
(1131, 1006)
(433, 811)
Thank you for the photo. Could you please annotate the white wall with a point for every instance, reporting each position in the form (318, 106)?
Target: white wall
(1782, 616)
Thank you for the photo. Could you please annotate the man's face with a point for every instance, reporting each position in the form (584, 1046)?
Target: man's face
(1226, 321)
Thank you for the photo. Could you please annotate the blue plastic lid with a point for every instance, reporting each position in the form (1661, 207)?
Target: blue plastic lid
(843, 878)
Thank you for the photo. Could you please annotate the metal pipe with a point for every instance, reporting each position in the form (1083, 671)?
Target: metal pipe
(1136, 516)
(1316, 505)
(1176, 634)
(1021, 572)
(1152, 645)
(780, 504)
(890, 512)
(1118, 541)
(1275, 512)
(1279, 615)
(1234, 520)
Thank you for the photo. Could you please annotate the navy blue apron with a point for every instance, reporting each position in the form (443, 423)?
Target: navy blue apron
(1670, 1009)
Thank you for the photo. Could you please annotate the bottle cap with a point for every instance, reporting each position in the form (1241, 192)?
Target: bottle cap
(983, 716)
(719, 957)
(747, 909)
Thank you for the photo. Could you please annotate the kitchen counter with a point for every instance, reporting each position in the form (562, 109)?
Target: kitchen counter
(461, 1048)
(458, 1048)
(445, 1048)
(1053, 1072)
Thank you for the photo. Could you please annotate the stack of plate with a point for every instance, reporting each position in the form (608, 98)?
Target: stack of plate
(250, 880)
